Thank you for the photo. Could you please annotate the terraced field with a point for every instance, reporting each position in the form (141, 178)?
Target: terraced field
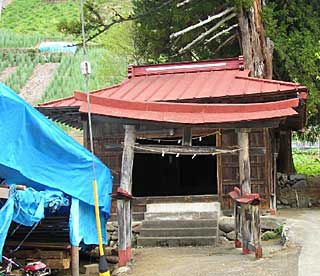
(40, 77)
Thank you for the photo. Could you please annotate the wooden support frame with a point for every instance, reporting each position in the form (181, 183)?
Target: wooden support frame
(124, 205)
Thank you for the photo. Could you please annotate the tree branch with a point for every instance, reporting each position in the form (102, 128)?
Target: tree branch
(203, 35)
(183, 3)
(204, 22)
(224, 43)
(221, 33)
(104, 27)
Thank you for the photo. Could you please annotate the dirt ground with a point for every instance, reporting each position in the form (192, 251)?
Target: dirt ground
(301, 258)
(222, 260)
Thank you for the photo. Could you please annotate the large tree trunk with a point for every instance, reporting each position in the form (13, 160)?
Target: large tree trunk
(285, 161)
(257, 49)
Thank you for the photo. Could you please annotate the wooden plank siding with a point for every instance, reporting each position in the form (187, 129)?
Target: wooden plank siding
(228, 165)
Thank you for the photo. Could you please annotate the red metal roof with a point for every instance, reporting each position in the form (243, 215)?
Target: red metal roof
(183, 113)
(188, 81)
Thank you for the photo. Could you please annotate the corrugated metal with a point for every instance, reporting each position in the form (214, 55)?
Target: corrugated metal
(190, 113)
(188, 81)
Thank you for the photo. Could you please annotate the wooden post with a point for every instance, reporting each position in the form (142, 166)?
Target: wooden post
(121, 233)
(245, 184)
(244, 161)
(256, 230)
(124, 206)
(75, 260)
(187, 137)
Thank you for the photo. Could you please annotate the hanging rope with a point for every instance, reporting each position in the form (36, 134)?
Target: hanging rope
(179, 140)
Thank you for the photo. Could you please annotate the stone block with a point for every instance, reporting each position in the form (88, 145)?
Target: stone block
(226, 224)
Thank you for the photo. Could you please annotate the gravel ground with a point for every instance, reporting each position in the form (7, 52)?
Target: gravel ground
(222, 260)
(304, 226)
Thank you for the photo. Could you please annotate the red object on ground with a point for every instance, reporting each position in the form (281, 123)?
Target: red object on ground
(237, 244)
(34, 266)
(259, 253)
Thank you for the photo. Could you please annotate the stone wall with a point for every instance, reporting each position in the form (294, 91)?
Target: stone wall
(297, 191)
(227, 232)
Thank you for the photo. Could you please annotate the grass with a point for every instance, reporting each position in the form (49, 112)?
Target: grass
(68, 78)
(38, 16)
(307, 162)
(9, 39)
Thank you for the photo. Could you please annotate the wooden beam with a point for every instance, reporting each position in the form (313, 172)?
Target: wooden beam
(124, 206)
(183, 150)
(266, 123)
(244, 160)
(187, 136)
(4, 193)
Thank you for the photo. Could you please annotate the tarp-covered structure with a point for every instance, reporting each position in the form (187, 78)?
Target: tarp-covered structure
(36, 153)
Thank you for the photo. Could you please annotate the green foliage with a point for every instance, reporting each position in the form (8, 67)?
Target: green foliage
(38, 16)
(152, 34)
(307, 162)
(271, 235)
(294, 28)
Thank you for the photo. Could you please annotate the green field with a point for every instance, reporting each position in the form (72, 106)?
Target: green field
(307, 162)
(26, 23)
(38, 16)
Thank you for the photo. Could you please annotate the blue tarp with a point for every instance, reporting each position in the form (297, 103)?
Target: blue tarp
(57, 47)
(27, 208)
(36, 153)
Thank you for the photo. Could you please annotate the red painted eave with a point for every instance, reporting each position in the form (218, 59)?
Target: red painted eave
(190, 113)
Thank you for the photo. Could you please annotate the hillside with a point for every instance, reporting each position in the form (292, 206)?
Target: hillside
(42, 76)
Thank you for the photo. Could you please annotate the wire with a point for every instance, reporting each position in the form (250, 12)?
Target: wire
(86, 86)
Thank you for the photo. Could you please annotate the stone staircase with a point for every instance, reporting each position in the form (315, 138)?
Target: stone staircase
(180, 224)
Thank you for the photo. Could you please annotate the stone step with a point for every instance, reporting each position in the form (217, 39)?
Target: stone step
(176, 241)
(180, 215)
(177, 232)
(180, 223)
(183, 207)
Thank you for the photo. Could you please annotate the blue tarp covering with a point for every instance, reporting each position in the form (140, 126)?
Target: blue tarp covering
(36, 153)
(27, 208)
(57, 47)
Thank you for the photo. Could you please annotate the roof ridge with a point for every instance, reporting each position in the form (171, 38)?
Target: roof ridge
(298, 85)
(186, 67)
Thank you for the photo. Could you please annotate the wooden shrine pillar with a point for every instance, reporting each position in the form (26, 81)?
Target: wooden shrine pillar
(124, 205)
(245, 185)
(244, 160)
